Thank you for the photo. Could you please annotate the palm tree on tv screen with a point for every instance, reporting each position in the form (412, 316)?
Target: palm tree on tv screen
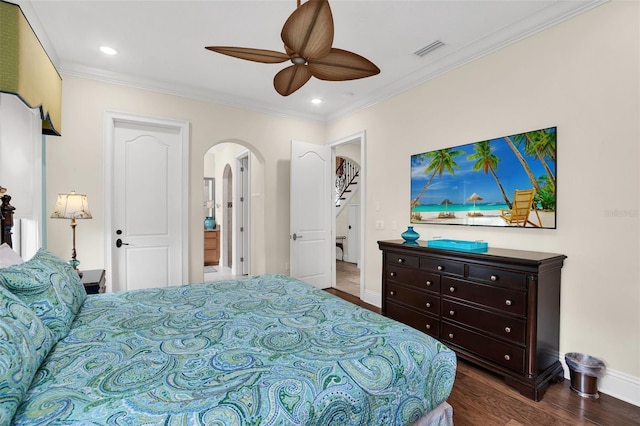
(518, 139)
(488, 163)
(441, 160)
(542, 145)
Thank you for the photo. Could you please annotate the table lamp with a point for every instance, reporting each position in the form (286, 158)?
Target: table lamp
(72, 206)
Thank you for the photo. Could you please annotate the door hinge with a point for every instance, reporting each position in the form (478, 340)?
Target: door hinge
(241, 199)
(242, 259)
(242, 229)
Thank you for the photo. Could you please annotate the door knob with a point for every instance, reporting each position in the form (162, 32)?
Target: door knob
(119, 243)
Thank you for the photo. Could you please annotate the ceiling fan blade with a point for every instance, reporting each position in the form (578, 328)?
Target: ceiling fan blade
(342, 65)
(256, 55)
(291, 79)
(309, 30)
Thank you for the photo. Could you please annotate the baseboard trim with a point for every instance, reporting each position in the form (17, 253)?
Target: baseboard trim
(622, 386)
(372, 298)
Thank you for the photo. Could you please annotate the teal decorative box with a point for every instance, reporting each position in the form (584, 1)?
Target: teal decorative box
(461, 245)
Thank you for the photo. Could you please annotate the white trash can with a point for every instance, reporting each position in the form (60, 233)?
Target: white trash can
(584, 371)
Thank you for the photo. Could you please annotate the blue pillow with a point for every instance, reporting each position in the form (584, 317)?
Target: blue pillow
(74, 282)
(24, 344)
(50, 287)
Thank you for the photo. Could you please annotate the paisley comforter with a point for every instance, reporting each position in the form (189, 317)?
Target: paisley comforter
(266, 350)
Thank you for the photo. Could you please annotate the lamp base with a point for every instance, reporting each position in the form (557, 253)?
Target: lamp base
(74, 263)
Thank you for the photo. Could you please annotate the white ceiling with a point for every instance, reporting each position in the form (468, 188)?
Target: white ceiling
(161, 44)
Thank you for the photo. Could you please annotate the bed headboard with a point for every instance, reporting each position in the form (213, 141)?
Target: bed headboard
(6, 217)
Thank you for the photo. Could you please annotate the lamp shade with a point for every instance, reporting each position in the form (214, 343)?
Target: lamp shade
(71, 206)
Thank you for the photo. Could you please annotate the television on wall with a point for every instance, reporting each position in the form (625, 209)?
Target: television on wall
(508, 181)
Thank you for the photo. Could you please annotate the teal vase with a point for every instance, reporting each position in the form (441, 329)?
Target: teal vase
(209, 222)
(410, 235)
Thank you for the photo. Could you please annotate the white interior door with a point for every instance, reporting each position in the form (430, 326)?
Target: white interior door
(243, 229)
(148, 204)
(311, 246)
(353, 233)
(227, 228)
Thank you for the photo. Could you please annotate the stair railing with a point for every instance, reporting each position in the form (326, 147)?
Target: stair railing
(346, 174)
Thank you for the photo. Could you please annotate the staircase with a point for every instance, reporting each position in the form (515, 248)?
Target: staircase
(346, 183)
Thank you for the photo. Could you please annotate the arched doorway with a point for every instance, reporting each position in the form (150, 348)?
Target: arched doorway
(238, 172)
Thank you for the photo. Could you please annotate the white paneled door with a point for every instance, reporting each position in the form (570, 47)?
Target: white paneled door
(311, 247)
(147, 232)
(353, 233)
(243, 230)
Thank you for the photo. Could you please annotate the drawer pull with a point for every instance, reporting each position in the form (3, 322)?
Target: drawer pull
(428, 305)
(400, 260)
(452, 289)
(507, 302)
(494, 278)
(507, 357)
(428, 326)
(393, 293)
(428, 283)
(392, 274)
(452, 313)
(507, 329)
(450, 335)
(440, 267)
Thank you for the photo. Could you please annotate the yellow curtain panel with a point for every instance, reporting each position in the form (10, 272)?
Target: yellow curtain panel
(26, 70)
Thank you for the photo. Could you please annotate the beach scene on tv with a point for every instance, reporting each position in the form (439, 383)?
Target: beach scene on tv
(506, 181)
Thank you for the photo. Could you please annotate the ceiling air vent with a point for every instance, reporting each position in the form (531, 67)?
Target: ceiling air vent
(428, 48)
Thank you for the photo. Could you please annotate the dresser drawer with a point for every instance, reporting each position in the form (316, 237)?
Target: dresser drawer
(420, 300)
(498, 276)
(402, 259)
(210, 243)
(422, 322)
(507, 300)
(414, 277)
(505, 327)
(501, 353)
(442, 266)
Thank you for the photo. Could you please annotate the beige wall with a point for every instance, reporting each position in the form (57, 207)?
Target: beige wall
(582, 76)
(75, 161)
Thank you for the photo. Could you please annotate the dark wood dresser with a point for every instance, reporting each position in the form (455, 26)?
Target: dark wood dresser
(499, 309)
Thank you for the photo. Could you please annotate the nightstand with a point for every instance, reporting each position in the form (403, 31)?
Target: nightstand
(93, 280)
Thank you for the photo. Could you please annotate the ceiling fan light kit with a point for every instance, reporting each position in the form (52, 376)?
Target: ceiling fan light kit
(308, 38)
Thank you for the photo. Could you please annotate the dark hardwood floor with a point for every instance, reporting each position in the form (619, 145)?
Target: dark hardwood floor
(480, 398)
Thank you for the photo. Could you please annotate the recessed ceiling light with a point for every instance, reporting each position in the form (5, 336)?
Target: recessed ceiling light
(316, 101)
(108, 50)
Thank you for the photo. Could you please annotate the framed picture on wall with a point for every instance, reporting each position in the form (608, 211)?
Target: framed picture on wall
(509, 181)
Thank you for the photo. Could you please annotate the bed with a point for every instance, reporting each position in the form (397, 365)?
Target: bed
(263, 350)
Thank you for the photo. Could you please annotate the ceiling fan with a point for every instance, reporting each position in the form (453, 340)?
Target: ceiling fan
(308, 38)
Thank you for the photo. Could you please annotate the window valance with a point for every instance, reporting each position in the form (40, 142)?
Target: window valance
(26, 70)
